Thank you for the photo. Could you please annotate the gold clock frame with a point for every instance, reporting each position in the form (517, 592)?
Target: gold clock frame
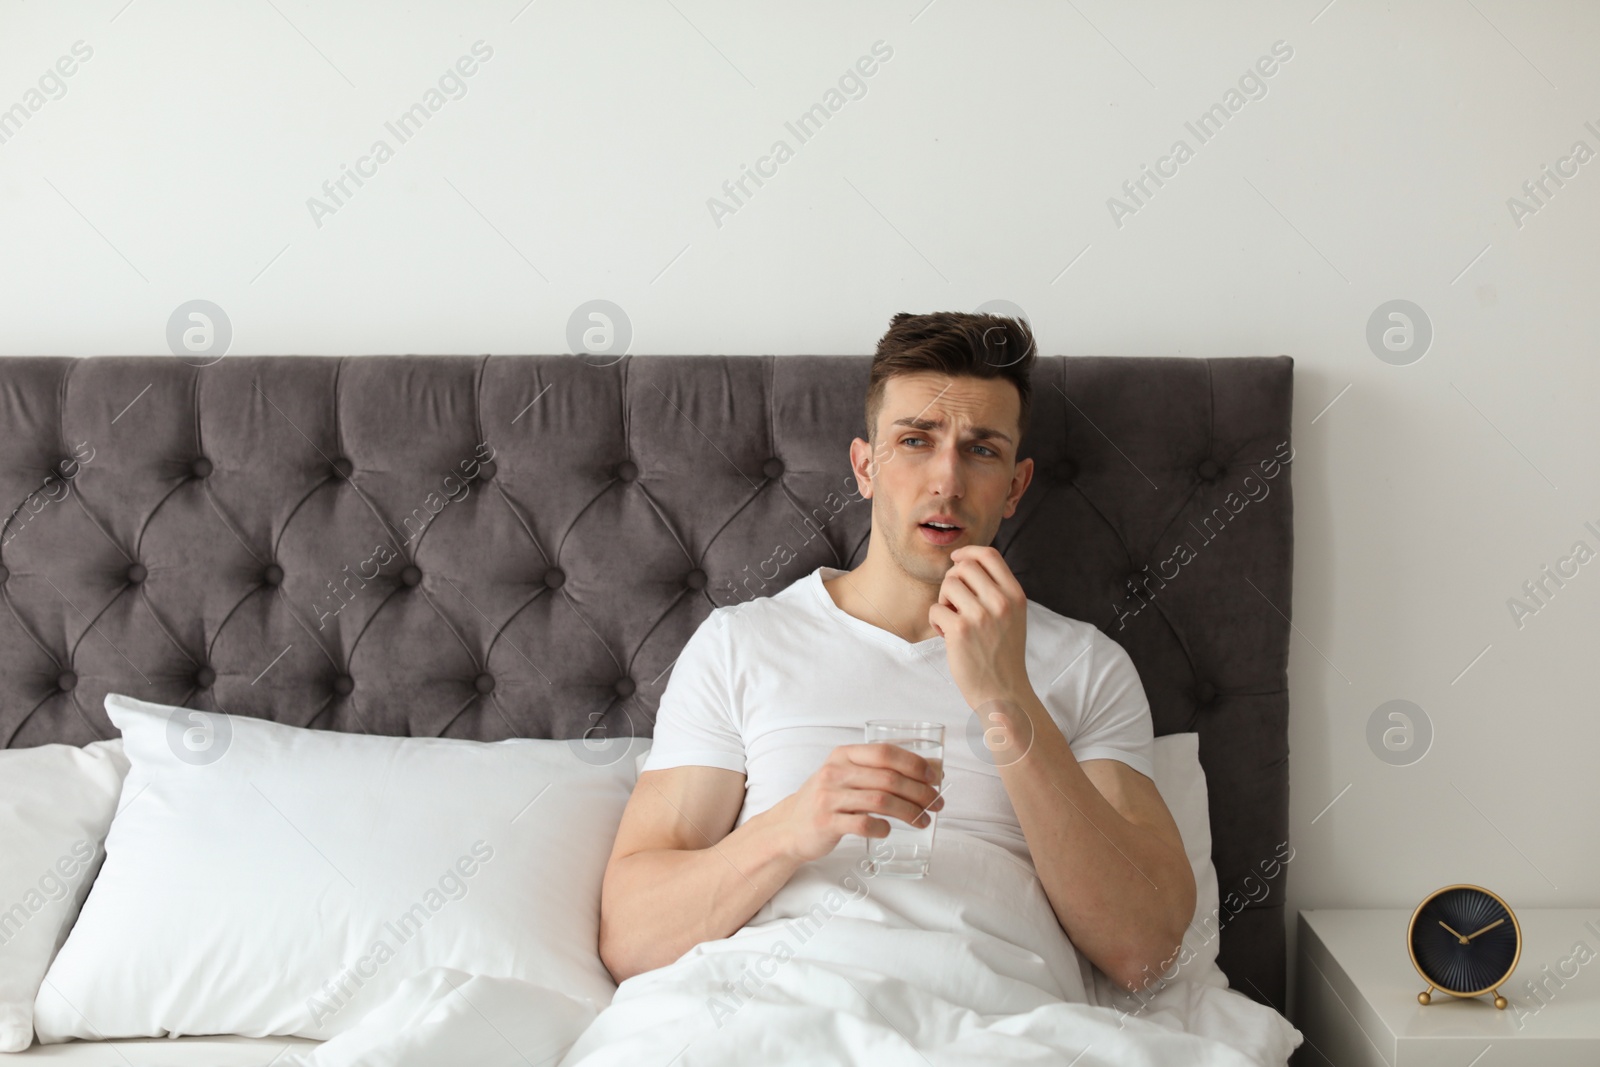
(1426, 996)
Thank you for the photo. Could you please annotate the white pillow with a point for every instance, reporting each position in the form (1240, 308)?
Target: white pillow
(55, 804)
(1181, 781)
(268, 880)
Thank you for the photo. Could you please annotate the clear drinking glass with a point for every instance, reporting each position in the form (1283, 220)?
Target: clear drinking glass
(906, 851)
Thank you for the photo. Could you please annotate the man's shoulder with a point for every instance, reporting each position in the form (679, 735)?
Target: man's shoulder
(1056, 629)
(1061, 638)
(745, 617)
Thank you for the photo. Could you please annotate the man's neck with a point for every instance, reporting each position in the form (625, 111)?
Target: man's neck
(897, 603)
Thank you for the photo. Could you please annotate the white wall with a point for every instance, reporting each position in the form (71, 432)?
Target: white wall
(178, 163)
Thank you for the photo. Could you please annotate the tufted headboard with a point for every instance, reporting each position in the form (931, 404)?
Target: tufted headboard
(521, 545)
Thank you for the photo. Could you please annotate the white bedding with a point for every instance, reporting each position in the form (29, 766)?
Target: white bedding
(162, 1052)
(966, 966)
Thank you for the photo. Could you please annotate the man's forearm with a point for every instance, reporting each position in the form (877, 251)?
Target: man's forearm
(658, 904)
(1118, 889)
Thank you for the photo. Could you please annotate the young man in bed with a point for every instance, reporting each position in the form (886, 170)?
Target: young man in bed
(757, 765)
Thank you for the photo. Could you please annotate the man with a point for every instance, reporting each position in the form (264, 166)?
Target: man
(753, 771)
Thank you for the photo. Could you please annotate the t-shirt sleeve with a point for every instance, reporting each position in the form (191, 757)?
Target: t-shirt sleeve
(1116, 722)
(697, 724)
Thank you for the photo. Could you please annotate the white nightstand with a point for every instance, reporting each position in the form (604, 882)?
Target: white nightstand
(1356, 996)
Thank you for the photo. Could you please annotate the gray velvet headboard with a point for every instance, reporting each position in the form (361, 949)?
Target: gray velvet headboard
(291, 538)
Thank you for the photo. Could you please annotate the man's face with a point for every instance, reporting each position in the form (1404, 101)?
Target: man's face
(946, 450)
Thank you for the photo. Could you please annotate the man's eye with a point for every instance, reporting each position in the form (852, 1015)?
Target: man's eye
(985, 448)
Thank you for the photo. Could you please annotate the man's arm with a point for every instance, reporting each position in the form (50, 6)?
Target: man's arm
(1105, 847)
(677, 875)
(1103, 842)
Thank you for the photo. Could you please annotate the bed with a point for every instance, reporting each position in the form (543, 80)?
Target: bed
(624, 500)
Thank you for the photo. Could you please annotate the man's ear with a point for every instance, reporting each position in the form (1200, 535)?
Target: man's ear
(1021, 478)
(864, 465)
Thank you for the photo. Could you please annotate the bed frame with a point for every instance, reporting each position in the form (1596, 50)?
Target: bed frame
(488, 547)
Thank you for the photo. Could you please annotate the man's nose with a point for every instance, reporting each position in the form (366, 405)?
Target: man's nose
(944, 472)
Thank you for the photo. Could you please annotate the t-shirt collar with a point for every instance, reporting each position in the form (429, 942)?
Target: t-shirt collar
(878, 634)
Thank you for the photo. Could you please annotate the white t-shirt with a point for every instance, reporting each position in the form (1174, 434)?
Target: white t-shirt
(769, 687)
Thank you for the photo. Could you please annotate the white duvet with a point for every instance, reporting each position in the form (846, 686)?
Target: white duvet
(965, 966)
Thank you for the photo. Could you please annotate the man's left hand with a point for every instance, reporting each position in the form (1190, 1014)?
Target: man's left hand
(982, 613)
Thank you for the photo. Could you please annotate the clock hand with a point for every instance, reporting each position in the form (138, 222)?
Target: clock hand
(1491, 926)
(1458, 936)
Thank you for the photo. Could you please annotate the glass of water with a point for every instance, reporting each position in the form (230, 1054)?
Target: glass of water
(906, 851)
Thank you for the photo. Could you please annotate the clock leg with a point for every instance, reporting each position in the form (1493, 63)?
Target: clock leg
(1499, 1001)
(1424, 998)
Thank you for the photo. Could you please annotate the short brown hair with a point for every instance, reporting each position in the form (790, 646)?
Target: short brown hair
(954, 343)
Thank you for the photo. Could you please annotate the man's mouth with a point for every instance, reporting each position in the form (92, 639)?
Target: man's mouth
(938, 532)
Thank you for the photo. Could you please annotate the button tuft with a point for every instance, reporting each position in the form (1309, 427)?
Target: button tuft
(5, 572)
(624, 687)
(273, 575)
(137, 573)
(484, 683)
(344, 685)
(485, 470)
(205, 677)
(772, 468)
(344, 467)
(1209, 469)
(627, 470)
(695, 579)
(1066, 472)
(67, 681)
(201, 468)
(555, 578)
(411, 575)
(1206, 692)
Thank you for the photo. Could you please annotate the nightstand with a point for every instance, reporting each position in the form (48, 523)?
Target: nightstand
(1356, 996)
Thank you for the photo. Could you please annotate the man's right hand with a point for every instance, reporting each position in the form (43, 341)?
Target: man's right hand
(681, 873)
(855, 783)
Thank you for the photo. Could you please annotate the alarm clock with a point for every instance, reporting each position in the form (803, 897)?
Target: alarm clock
(1465, 941)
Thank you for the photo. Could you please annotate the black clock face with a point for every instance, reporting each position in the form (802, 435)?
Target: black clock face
(1464, 941)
